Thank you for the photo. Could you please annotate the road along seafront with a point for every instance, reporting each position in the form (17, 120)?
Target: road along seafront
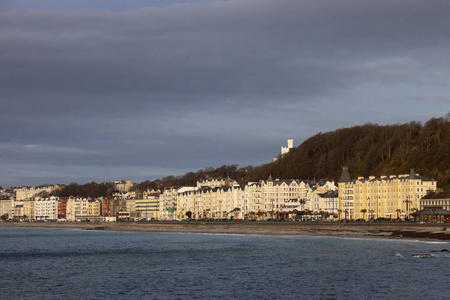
(384, 230)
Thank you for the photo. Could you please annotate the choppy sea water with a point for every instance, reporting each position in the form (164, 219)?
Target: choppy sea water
(53, 263)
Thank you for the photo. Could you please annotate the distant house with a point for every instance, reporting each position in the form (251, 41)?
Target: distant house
(432, 214)
(434, 208)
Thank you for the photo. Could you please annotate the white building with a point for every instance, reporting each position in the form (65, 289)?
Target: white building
(46, 208)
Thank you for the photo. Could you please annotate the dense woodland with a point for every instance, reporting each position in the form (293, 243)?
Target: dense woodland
(88, 190)
(366, 150)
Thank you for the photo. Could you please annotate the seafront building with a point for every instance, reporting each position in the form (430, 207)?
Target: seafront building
(62, 208)
(435, 199)
(94, 207)
(148, 206)
(219, 198)
(7, 208)
(385, 197)
(29, 209)
(266, 198)
(77, 208)
(46, 208)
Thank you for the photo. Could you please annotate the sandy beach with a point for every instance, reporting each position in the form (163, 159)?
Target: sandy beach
(393, 230)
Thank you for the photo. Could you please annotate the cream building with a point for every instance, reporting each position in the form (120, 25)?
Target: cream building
(131, 208)
(148, 208)
(261, 199)
(169, 202)
(77, 208)
(150, 193)
(18, 210)
(331, 202)
(24, 193)
(28, 209)
(385, 197)
(7, 208)
(216, 182)
(123, 185)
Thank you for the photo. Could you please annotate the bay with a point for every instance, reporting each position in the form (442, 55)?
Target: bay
(56, 263)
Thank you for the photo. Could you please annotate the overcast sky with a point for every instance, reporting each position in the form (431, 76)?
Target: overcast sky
(132, 89)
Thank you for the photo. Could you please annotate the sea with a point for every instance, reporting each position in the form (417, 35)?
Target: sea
(57, 263)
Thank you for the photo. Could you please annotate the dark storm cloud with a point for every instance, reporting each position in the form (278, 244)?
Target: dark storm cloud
(197, 84)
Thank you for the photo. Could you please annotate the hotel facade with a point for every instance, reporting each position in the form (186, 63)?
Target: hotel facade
(385, 197)
(260, 199)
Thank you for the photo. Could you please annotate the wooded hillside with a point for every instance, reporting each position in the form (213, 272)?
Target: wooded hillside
(367, 150)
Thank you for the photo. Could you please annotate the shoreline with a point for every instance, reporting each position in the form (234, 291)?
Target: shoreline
(380, 230)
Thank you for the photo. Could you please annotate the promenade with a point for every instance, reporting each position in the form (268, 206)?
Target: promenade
(361, 230)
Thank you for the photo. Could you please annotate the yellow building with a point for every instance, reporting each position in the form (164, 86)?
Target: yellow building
(29, 209)
(385, 197)
(148, 208)
(94, 208)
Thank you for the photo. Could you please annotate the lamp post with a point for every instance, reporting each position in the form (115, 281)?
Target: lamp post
(378, 198)
(272, 200)
(146, 212)
(407, 202)
(368, 206)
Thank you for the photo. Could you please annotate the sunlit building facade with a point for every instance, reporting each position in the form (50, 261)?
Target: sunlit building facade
(385, 197)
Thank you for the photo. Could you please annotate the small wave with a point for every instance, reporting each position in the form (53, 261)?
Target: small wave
(434, 242)
(223, 234)
(423, 255)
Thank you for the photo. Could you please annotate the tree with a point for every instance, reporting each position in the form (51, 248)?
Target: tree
(189, 214)
(236, 212)
(324, 214)
(307, 212)
(4, 217)
(260, 214)
(363, 211)
(250, 215)
(43, 194)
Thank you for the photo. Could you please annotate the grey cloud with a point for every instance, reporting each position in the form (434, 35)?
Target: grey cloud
(197, 84)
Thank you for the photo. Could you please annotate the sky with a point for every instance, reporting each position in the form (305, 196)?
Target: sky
(97, 90)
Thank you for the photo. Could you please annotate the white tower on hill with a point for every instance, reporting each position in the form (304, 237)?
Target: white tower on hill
(284, 150)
